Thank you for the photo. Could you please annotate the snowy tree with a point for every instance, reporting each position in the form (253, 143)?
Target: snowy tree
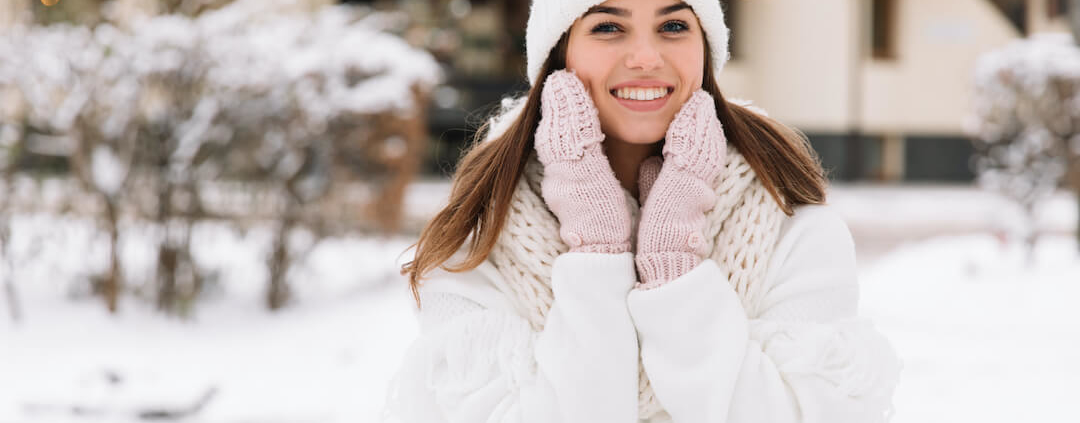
(67, 98)
(317, 90)
(270, 92)
(1027, 120)
(10, 144)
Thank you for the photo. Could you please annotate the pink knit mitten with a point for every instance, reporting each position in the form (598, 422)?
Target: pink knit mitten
(670, 238)
(579, 186)
(648, 171)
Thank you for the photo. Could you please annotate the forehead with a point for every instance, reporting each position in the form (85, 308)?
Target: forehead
(627, 8)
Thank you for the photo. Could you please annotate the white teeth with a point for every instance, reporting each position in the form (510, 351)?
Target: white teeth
(641, 94)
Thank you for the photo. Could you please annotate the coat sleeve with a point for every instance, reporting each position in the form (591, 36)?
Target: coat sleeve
(807, 358)
(473, 363)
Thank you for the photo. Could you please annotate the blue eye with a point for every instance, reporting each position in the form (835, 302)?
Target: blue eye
(604, 28)
(675, 26)
(669, 26)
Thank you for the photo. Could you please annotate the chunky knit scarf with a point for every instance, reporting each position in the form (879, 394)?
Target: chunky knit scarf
(742, 230)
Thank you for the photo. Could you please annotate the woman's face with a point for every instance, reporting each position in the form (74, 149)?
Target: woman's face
(640, 60)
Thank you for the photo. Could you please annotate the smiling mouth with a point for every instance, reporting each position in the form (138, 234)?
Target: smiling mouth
(633, 95)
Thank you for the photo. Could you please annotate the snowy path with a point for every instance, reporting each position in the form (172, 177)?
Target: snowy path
(983, 337)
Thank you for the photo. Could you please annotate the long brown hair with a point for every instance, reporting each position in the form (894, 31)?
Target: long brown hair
(487, 175)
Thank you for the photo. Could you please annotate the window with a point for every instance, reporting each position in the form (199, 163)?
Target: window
(1058, 8)
(883, 29)
(1016, 12)
(731, 14)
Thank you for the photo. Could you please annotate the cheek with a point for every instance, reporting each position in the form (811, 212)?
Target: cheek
(592, 75)
(590, 68)
(691, 64)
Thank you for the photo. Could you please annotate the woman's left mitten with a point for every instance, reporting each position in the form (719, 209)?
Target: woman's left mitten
(671, 241)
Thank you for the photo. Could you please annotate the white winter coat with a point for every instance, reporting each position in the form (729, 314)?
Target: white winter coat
(807, 357)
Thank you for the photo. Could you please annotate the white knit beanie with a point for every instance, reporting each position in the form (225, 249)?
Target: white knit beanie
(549, 19)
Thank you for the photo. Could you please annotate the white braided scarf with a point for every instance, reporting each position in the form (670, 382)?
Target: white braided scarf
(742, 230)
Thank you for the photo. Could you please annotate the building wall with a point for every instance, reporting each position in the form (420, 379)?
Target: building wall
(12, 12)
(809, 65)
(928, 89)
(792, 61)
(798, 61)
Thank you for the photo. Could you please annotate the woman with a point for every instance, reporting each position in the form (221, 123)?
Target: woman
(743, 306)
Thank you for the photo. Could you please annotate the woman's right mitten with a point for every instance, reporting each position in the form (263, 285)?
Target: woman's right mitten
(579, 186)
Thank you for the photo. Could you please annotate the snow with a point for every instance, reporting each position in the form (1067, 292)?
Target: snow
(107, 170)
(324, 360)
(320, 363)
(984, 335)
(882, 216)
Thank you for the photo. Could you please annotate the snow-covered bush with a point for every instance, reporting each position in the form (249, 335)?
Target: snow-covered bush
(264, 91)
(1026, 121)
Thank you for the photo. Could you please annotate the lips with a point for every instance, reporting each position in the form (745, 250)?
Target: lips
(643, 83)
(643, 105)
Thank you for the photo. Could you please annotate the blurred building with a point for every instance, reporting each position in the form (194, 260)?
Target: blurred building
(882, 87)
(12, 11)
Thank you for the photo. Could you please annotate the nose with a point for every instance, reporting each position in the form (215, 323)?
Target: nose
(645, 56)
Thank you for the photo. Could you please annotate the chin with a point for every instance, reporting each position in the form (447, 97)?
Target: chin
(643, 140)
(642, 135)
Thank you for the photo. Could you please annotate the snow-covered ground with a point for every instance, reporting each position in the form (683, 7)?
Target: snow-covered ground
(324, 360)
(985, 336)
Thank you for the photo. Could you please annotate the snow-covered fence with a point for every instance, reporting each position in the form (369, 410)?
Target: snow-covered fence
(293, 103)
(1026, 121)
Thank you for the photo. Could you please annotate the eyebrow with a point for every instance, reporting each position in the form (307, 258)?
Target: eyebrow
(624, 13)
